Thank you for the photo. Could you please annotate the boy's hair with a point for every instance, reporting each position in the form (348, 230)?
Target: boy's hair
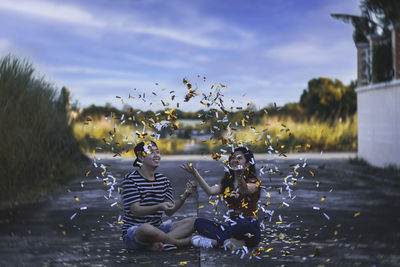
(141, 149)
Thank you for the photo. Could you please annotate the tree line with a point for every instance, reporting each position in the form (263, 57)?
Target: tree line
(324, 99)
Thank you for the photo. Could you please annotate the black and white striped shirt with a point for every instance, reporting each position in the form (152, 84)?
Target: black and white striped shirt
(136, 188)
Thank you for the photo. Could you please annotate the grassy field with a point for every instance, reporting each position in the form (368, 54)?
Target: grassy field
(311, 135)
(105, 135)
(283, 135)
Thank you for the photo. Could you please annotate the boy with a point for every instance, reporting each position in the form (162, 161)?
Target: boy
(146, 195)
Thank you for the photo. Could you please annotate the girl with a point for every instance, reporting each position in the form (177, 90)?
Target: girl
(240, 188)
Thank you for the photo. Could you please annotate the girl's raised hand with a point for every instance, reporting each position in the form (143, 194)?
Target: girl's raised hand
(189, 168)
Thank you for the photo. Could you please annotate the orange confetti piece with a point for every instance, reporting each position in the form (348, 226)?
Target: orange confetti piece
(216, 156)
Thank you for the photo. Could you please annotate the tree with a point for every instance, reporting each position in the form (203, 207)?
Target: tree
(386, 11)
(327, 99)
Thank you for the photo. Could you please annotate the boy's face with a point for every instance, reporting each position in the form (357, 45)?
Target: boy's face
(151, 157)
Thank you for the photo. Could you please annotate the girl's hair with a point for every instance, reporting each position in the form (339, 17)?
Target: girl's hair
(250, 172)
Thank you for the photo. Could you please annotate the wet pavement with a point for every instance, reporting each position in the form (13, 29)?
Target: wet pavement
(337, 214)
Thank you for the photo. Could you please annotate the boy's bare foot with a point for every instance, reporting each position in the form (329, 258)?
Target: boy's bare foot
(184, 241)
(157, 246)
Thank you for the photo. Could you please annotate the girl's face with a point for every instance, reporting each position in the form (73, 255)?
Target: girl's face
(238, 161)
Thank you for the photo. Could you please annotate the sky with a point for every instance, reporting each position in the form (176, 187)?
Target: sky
(265, 51)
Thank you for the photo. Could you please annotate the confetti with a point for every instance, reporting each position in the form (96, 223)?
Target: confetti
(73, 216)
(227, 131)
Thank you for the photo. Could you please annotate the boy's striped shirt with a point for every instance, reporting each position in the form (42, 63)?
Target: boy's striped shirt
(136, 188)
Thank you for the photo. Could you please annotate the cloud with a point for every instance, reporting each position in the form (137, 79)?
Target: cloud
(52, 11)
(245, 81)
(87, 70)
(124, 23)
(167, 63)
(306, 52)
(6, 46)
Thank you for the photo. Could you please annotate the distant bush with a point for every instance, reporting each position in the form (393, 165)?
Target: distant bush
(37, 148)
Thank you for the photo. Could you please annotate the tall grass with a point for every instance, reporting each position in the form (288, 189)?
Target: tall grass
(107, 136)
(37, 148)
(311, 135)
(285, 135)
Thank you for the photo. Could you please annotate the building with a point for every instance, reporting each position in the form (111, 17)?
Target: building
(378, 107)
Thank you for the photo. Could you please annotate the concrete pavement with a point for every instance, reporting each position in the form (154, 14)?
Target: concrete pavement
(336, 215)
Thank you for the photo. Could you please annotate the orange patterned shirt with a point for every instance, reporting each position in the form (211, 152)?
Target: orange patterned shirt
(240, 203)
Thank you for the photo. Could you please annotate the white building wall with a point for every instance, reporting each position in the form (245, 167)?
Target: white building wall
(378, 111)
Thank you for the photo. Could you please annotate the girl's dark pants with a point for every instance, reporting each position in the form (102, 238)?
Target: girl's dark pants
(244, 229)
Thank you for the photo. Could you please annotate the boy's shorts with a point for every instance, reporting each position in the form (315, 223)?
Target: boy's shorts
(130, 237)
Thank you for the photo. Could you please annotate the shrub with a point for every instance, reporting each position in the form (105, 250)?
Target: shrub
(37, 148)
